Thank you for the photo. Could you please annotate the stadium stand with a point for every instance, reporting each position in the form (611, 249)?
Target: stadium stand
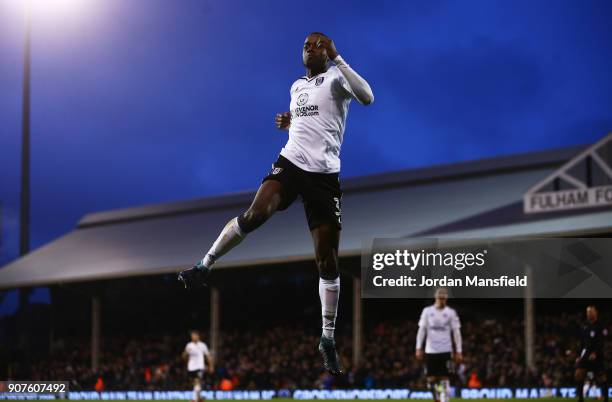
(283, 357)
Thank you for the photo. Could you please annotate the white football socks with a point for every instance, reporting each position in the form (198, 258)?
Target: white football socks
(444, 391)
(230, 237)
(196, 392)
(329, 293)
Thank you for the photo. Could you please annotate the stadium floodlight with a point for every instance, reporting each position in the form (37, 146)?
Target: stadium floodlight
(50, 9)
(24, 210)
(56, 11)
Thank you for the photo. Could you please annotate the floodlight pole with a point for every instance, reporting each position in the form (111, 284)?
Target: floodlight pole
(529, 323)
(215, 319)
(95, 333)
(357, 322)
(24, 210)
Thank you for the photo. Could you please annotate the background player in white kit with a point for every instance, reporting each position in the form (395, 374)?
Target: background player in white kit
(438, 323)
(308, 166)
(196, 353)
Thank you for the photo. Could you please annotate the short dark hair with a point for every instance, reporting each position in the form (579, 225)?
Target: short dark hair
(318, 33)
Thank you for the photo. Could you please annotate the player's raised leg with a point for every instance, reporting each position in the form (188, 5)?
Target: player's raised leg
(326, 238)
(266, 202)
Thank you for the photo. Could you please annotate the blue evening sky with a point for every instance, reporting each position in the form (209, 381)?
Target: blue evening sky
(148, 101)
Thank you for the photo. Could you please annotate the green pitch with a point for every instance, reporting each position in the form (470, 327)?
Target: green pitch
(391, 400)
(428, 400)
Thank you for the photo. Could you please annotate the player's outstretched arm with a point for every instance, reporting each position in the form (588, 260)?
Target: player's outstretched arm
(283, 120)
(359, 86)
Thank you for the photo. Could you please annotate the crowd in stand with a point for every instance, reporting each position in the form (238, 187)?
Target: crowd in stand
(286, 357)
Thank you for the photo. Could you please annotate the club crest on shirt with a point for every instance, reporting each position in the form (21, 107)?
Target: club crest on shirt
(302, 99)
(319, 81)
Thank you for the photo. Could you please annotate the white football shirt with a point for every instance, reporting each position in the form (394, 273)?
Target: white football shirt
(438, 324)
(319, 106)
(196, 352)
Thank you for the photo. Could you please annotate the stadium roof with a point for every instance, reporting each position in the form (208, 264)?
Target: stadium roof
(469, 199)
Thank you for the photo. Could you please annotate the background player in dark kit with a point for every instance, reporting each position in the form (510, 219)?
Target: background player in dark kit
(591, 359)
(308, 167)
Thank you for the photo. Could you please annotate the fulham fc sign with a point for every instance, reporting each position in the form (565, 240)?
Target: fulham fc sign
(583, 182)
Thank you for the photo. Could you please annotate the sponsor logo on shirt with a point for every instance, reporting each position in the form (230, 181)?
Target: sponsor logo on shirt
(302, 99)
(304, 111)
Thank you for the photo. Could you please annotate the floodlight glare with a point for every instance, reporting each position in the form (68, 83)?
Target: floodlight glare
(49, 10)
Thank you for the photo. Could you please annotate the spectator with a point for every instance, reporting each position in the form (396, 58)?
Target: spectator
(282, 357)
(474, 381)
